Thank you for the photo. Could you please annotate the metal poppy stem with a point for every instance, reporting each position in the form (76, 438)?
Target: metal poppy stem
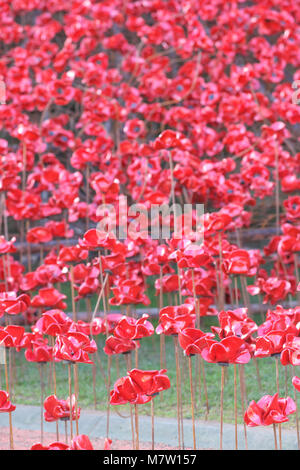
(76, 392)
(70, 395)
(204, 386)
(136, 353)
(73, 293)
(87, 193)
(99, 298)
(277, 384)
(177, 387)
(11, 439)
(152, 422)
(162, 336)
(221, 405)
(235, 408)
(277, 198)
(136, 415)
(297, 413)
(200, 358)
(102, 293)
(222, 301)
(94, 371)
(108, 395)
(28, 247)
(243, 405)
(54, 385)
(66, 431)
(192, 400)
(275, 436)
(127, 359)
(41, 370)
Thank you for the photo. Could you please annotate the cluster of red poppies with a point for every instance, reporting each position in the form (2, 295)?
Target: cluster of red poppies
(158, 101)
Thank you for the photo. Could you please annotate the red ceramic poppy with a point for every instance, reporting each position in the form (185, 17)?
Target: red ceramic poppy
(53, 322)
(129, 292)
(231, 350)
(52, 446)
(59, 409)
(107, 444)
(5, 405)
(7, 246)
(270, 344)
(96, 327)
(39, 235)
(192, 340)
(13, 305)
(11, 336)
(235, 323)
(49, 297)
(74, 347)
(296, 383)
(132, 329)
(126, 391)
(269, 410)
(150, 382)
(39, 351)
(291, 351)
(81, 442)
(115, 345)
(174, 319)
(237, 263)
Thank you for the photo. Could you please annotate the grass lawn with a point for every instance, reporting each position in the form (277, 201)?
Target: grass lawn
(27, 383)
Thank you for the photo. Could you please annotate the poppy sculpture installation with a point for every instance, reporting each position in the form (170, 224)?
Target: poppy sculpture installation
(120, 121)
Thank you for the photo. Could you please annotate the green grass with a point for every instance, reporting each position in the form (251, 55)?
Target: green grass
(27, 381)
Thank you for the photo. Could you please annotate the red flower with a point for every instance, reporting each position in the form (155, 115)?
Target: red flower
(53, 322)
(52, 446)
(81, 442)
(59, 409)
(96, 327)
(237, 262)
(126, 391)
(13, 305)
(292, 207)
(107, 444)
(192, 340)
(7, 246)
(270, 344)
(269, 410)
(39, 235)
(49, 297)
(130, 328)
(291, 351)
(71, 254)
(39, 351)
(231, 350)
(5, 405)
(74, 348)
(115, 345)
(170, 283)
(274, 288)
(150, 382)
(296, 383)
(235, 323)
(94, 240)
(11, 336)
(174, 319)
(168, 139)
(129, 292)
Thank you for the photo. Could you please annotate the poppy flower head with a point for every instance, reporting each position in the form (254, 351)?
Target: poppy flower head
(269, 410)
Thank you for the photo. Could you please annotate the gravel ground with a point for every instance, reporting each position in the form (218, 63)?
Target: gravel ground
(24, 439)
